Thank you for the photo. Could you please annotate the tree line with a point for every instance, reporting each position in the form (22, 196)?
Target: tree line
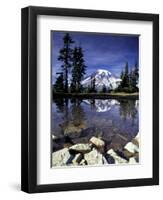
(129, 80)
(73, 66)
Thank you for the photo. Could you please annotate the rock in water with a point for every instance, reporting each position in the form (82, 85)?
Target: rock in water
(93, 158)
(97, 142)
(81, 148)
(131, 147)
(117, 158)
(61, 157)
(72, 130)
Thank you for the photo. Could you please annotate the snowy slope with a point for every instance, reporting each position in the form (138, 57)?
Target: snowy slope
(102, 78)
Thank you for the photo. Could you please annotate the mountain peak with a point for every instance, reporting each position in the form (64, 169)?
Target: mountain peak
(103, 71)
(102, 78)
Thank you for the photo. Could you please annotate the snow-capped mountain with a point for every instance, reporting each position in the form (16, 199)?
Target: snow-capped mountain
(102, 78)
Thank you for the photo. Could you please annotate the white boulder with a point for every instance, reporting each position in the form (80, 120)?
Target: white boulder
(97, 142)
(93, 158)
(81, 148)
(131, 147)
(61, 157)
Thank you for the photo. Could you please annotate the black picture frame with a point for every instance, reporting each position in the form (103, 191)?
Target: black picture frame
(29, 98)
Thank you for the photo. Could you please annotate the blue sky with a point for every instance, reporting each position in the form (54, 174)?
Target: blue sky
(101, 51)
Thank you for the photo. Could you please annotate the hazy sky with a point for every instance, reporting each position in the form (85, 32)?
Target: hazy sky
(101, 51)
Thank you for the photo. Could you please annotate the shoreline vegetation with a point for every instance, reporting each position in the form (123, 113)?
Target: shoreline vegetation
(113, 95)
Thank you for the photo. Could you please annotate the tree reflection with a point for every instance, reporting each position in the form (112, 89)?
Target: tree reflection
(128, 109)
(60, 103)
(77, 112)
(62, 107)
(71, 110)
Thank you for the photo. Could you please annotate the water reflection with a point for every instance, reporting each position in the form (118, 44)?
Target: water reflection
(128, 110)
(77, 120)
(77, 112)
(101, 105)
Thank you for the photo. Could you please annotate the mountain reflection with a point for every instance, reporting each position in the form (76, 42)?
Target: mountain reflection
(74, 109)
(101, 105)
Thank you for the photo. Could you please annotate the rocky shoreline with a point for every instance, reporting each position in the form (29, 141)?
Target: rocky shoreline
(94, 152)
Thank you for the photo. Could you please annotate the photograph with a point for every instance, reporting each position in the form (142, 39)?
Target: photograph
(94, 99)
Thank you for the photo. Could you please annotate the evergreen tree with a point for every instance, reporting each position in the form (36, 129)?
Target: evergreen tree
(66, 58)
(78, 69)
(125, 81)
(59, 84)
(122, 75)
(134, 76)
(126, 77)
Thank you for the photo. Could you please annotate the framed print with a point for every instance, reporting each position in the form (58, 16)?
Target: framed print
(90, 99)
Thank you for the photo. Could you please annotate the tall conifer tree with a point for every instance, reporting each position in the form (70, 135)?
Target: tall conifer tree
(66, 57)
(78, 69)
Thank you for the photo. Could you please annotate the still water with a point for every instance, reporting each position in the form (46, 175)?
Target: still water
(77, 120)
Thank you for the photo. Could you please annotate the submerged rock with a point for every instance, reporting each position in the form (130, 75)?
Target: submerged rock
(61, 157)
(118, 141)
(117, 158)
(87, 134)
(73, 130)
(81, 148)
(92, 131)
(93, 158)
